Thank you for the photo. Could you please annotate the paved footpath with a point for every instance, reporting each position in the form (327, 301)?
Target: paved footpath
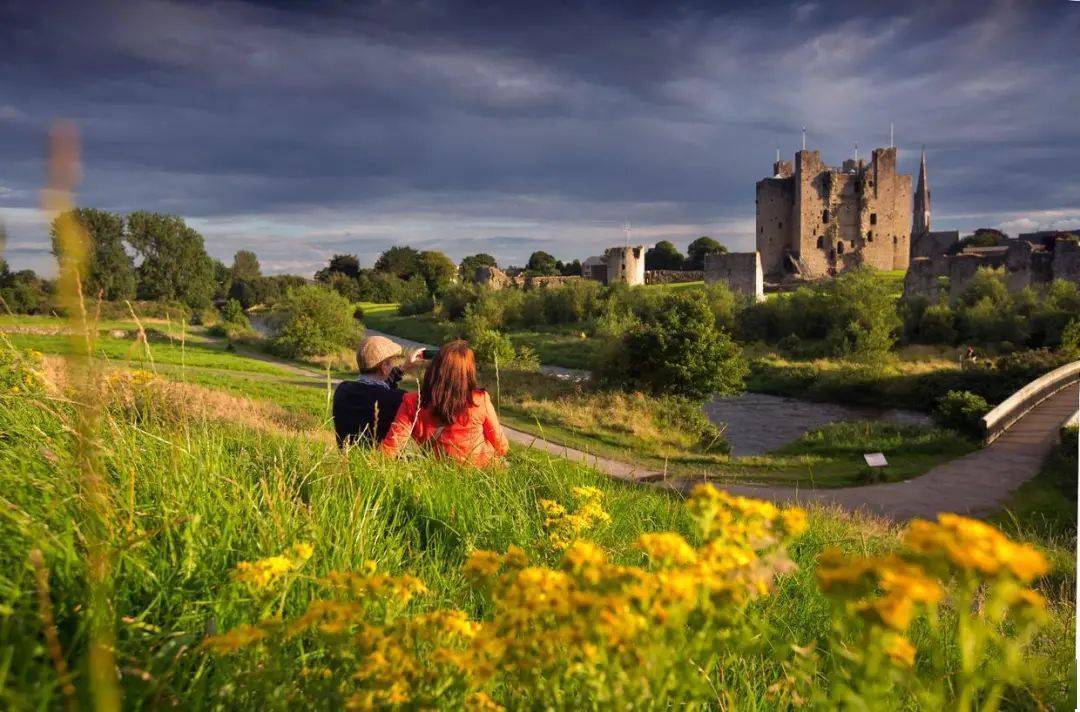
(975, 484)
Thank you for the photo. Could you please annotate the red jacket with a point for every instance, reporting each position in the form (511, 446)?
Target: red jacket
(475, 437)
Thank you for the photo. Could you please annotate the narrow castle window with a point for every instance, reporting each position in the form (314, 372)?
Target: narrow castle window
(780, 225)
(839, 248)
(821, 241)
(894, 239)
(870, 236)
(825, 216)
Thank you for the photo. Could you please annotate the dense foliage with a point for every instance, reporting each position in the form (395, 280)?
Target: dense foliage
(676, 349)
(110, 271)
(173, 264)
(317, 321)
(853, 315)
(962, 411)
(988, 315)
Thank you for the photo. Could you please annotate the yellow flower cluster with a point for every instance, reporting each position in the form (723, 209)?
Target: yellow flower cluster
(884, 590)
(564, 527)
(752, 521)
(265, 572)
(592, 611)
(974, 546)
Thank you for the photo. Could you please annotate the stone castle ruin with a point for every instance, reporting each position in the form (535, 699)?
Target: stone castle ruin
(618, 265)
(1029, 260)
(940, 266)
(815, 221)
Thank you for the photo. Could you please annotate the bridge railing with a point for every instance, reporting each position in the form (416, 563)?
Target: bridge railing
(998, 420)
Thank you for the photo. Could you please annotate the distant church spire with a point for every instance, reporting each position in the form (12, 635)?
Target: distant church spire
(920, 216)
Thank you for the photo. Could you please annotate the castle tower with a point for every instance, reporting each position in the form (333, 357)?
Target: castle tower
(920, 223)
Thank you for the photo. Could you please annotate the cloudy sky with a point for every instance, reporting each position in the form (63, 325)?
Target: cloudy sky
(307, 129)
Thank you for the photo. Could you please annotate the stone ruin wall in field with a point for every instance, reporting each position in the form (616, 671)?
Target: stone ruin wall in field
(740, 271)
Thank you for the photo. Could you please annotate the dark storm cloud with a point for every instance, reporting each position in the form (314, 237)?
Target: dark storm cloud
(303, 130)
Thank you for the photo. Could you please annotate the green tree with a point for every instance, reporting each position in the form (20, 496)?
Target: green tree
(245, 266)
(470, 264)
(110, 269)
(23, 292)
(347, 265)
(570, 269)
(318, 321)
(437, 269)
(402, 261)
(542, 263)
(223, 279)
(696, 251)
(664, 255)
(676, 350)
(174, 265)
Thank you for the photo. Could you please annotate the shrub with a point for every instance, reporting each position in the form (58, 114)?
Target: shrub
(853, 315)
(455, 301)
(493, 347)
(677, 350)
(962, 411)
(1070, 338)
(318, 322)
(416, 299)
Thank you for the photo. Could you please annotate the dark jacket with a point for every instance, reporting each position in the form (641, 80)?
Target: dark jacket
(357, 403)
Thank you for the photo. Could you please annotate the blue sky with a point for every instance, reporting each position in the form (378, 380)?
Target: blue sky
(302, 130)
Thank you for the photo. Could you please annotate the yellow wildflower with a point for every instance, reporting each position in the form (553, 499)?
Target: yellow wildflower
(900, 651)
(667, 548)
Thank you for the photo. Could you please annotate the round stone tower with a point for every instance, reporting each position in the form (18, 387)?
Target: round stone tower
(625, 265)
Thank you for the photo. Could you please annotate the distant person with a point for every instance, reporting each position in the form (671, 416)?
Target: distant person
(365, 407)
(451, 415)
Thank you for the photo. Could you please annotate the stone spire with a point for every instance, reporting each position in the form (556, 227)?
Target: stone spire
(920, 216)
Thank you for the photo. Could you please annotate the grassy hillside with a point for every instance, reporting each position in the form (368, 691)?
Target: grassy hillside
(121, 561)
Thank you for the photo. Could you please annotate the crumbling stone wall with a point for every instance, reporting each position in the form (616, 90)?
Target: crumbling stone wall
(492, 277)
(625, 265)
(1024, 263)
(741, 271)
(1066, 260)
(542, 282)
(930, 244)
(673, 276)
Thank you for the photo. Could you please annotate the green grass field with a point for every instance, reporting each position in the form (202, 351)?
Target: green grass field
(185, 497)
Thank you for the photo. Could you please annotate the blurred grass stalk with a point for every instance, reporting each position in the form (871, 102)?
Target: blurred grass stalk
(85, 379)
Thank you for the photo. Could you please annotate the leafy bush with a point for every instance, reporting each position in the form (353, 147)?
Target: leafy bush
(318, 322)
(962, 411)
(677, 350)
(415, 298)
(493, 347)
(1070, 338)
(455, 301)
(853, 315)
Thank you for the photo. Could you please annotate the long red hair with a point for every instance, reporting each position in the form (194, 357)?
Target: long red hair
(449, 383)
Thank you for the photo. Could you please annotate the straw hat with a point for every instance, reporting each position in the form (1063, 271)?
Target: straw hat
(374, 350)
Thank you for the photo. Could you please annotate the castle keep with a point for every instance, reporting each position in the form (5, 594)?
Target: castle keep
(815, 221)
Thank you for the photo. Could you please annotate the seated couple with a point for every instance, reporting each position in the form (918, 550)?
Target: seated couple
(450, 415)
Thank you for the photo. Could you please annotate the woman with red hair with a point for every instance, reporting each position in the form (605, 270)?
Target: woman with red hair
(451, 414)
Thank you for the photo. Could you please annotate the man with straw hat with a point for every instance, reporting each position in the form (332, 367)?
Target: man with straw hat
(365, 408)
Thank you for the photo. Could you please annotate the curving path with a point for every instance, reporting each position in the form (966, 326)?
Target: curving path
(976, 484)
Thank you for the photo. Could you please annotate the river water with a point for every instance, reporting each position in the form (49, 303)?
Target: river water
(757, 423)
